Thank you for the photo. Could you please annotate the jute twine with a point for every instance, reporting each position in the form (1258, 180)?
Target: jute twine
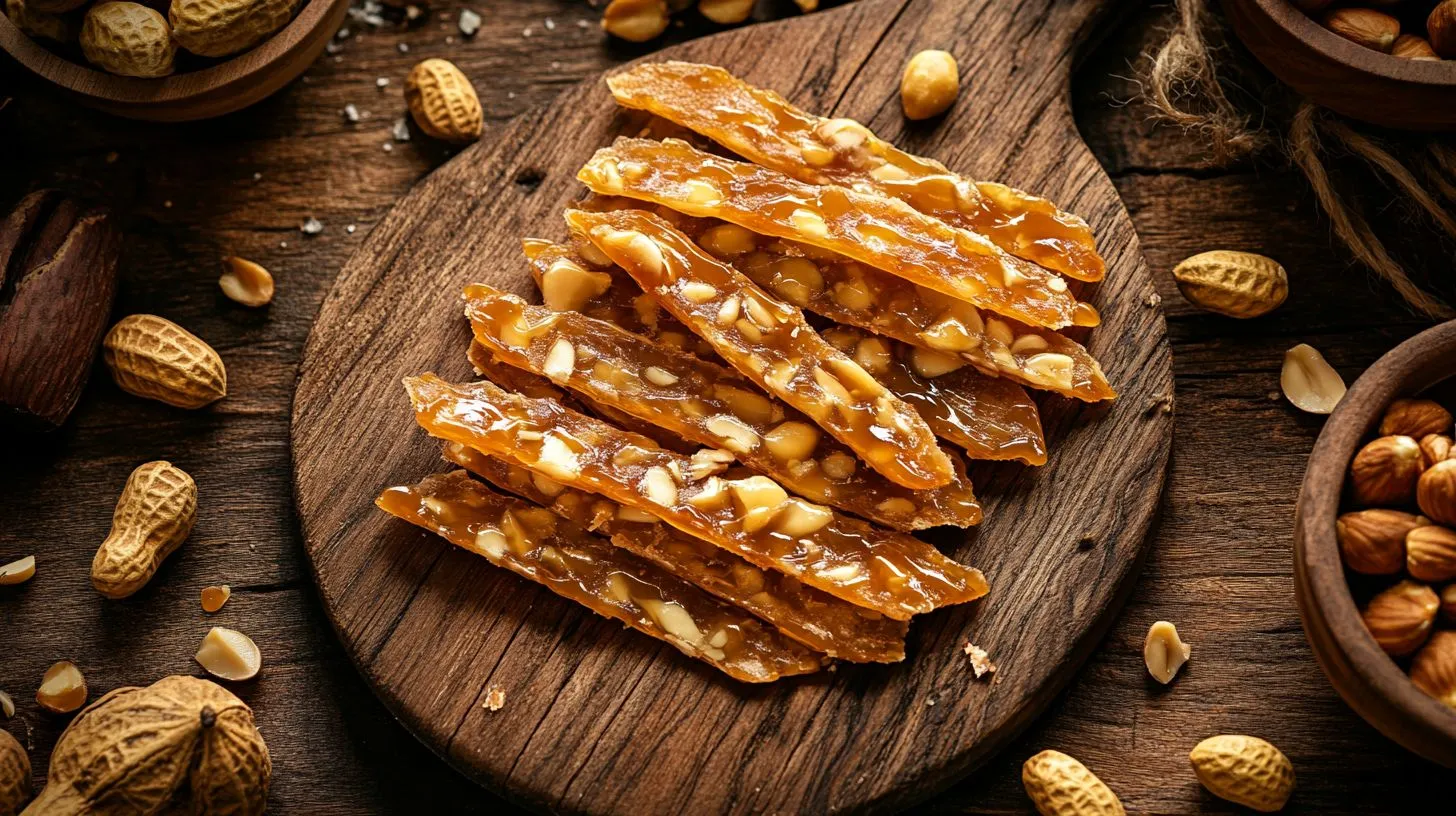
(1194, 81)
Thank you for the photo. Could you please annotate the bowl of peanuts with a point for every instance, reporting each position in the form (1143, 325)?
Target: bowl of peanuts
(1375, 546)
(197, 59)
(1387, 63)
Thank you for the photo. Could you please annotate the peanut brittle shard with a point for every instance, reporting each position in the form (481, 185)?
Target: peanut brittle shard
(534, 543)
(818, 620)
(885, 233)
(686, 397)
(753, 517)
(766, 129)
(855, 294)
(769, 341)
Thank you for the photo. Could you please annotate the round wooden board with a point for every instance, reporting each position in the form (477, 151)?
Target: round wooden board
(598, 719)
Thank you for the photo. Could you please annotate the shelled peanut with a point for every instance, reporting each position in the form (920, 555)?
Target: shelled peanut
(1403, 486)
(142, 40)
(1411, 31)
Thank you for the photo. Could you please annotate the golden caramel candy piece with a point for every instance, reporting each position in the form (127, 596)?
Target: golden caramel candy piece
(690, 398)
(769, 342)
(885, 233)
(991, 418)
(531, 384)
(854, 294)
(566, 559)
(766, 129)
(753, 517)
(817, 620)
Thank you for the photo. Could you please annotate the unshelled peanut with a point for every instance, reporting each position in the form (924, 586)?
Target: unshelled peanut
(443, 102)
(153, 517)
(128, 39)
(217, 28)
(153, 357)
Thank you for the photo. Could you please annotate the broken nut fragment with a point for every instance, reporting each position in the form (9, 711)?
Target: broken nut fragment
(1164, 652)
(246, 282)
(229, 655)
(62, 688)
(1309, 382)
(635, 20)
(214, 597)
(7, 705)
(18, 571)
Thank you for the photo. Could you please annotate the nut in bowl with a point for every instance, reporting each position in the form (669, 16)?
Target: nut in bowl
(191, 59)
(1375, 550)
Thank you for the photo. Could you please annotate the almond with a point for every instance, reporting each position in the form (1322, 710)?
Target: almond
(1430, 554)
(1367, 27)
(1385, 471)
(1400, 618)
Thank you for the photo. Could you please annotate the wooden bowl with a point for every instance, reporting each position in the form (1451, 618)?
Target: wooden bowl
(1369, 680)
(212, 91)
(1347, 78)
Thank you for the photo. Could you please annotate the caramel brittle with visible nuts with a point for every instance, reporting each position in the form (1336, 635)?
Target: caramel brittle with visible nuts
(883, 232)
(990, 417)
(818, 620)
(764, 128)
(706, 403)
(533, 542)
(769, 341)
(753, 517)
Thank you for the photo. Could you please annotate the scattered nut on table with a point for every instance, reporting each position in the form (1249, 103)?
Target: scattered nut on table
(153, 517)
(228, 654)
(1244, 770)
(1235, 284)
(930, 84)
(1059, 785)
(1309, 382)
(246, 282)
(153, 357)
(62, 688)
(1164, 652)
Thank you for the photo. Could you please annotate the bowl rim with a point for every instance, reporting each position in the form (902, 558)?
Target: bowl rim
(1301, 26)
(87, 81)
(1326, 602)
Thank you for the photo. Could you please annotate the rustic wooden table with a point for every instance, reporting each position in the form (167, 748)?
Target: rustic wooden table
(1220, 564)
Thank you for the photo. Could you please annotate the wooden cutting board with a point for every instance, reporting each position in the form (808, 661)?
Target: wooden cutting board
(602, 720)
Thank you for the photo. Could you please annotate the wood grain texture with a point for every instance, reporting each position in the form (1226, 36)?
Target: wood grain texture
(1363, 673)
(1219, 564)
(1345, 77)
(604, 721)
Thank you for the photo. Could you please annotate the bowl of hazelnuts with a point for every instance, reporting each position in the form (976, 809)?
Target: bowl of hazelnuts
(1388, 62)
(1375, 545)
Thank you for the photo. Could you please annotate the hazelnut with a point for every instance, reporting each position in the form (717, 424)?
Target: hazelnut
(1385, 471)
(1436, 492)
(1434, 669)
(1400, 618)
(1372, 542)
(1448, 603)
(1430, 554)
(1415, 418)
(1441, 29)
(1435, 448)
(1367, 27)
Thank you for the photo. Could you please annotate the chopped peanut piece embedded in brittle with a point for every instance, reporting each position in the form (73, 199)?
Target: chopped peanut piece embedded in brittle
(533, 542)
(535, 385)
(818, 620)
(854, 294)
(770, 342)
(752, 517)
(686, 397)
(990, 417)
(883, 232)
(764, 128)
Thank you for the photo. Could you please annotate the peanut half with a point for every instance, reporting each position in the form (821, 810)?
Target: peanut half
(62, 688)
(1164, 652)
(246, 282)
(229, 655)
(1309, 382)
(214, 597)
(18, 571)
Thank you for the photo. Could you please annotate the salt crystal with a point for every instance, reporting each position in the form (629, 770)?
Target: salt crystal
(550, 24)
(388, 148)
(312, 226)
(349, 229)
(469, 22)
(351, 114)
(403, 48)
(400, 130)
(381, 83)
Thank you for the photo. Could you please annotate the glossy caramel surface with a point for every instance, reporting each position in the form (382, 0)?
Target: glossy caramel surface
(882, 232)
(535, 543)
(690, 398)
(818, 620)
(764, 128)
(770, 342)
(889, 572)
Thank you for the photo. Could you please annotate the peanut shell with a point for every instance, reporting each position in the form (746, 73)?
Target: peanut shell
(1061, 786)
(14, 775)
(153, 357)
(1236, 284)
(1244, 770)
(443, 102)
(128, 39)
(217, 28)
(153, 517)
